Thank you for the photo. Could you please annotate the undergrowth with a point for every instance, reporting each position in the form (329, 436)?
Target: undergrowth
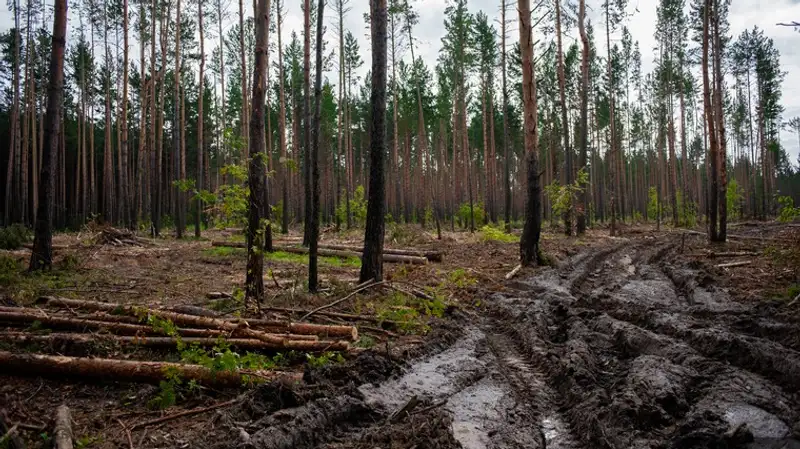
(14, 236)
(491, 233)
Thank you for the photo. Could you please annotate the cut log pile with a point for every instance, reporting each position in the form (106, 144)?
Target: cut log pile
(389, 255)
(108, 235)
(92, 325)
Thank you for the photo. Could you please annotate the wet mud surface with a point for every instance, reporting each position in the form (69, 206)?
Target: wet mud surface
(624, 347)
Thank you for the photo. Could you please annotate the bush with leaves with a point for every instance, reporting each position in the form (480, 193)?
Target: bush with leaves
(464, 212)
(358, 208)
(14, 236)
(788, 212)
(563, 197)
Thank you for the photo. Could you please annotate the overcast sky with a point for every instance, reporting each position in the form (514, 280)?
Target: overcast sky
(641, 21)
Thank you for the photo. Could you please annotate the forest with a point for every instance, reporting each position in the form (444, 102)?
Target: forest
(302, 233)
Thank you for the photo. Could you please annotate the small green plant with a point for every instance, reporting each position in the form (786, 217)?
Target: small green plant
(10, 270)
(563, 197)
(788, 212)
(734, 196)
(358, 208)
(224, 251)
(495, 234)
(459, 278)
(324, 359)
(477, 212)
(87, 441)
(793, 291)
(365, 341)
(14, 236)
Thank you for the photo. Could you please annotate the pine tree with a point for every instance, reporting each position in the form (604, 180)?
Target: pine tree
(372, 259)
(42, 253)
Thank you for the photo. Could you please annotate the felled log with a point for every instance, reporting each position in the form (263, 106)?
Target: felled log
(713, 255)
(241, 327)
(432, 256)
(735, 264)
(309, 343)
(177, 318)
(389, 258)
(129, 370)
(62, 431)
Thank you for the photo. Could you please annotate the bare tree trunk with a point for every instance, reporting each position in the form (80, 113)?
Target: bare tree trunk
(712, 159)
(200, 137)
(612, 128)
(255, 243)
(583, 197)
(722, 165)
(529, 243)
(124, 187)
(282, 125)
(177, 130)
(313, 283)
(42, 253)
(108, 155)
(506, 155)
(14, 147)
(564, 121)
(372, 260)
(245, 119)
(307, 120)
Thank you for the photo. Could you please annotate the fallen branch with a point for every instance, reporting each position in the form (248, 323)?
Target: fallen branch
(432, 256)
(62, 432)
(128, 370)
(513, 272)
(713, 255)
(183, 414)
(308, 343)
(389, 258)
(359, 288)
(346, 316)
(127, 433)
(735, 264)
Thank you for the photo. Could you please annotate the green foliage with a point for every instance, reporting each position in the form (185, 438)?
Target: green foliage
(492, 233)
(409, 311)
(734, 196)
(563, 197)
(10, 270)
(463, 214)
(276, 212)
(87, 441)
(793, 291)
(460, 278)
(365, 341)
(14, 236)
(358, 208)
(302, 259)
(324, 359)
(788, 212)
(652, 204)
(184, 185)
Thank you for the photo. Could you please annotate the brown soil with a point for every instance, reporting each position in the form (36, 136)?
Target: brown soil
(640, 341)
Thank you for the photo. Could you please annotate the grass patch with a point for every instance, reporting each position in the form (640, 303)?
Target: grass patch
(302, 259)
(14, 236)
(411, 312)
(224, 251)
(491, 233)
(23, 286)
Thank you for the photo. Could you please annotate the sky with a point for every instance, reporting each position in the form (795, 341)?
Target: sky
(641, 19)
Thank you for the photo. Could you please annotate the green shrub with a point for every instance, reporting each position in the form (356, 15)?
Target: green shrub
(358, 208)
(14, 236)
(463, 214)
(491, 233)
(788, 212)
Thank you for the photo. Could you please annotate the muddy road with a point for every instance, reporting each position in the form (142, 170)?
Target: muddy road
(618, 348)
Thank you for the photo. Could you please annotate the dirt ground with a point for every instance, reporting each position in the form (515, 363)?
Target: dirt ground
(642, 341)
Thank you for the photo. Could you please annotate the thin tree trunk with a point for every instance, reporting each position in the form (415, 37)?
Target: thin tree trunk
(124, 187)
(200, 137)
(564, 121)
(307, 120)
(583, 197)
(722, 165)
(14, 147)
(316, 130)
(506, 155)
(282, 126)
(712, 159)
(177, 130)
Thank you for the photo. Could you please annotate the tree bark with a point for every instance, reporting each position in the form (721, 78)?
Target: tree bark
(372, 260)
(712, 159)
(315, 134)
(564, 121)
(200, 137)
(583, 197)
(42, 254)
(255, 229)
(62, 432)
(284, 170)
(529, 243)
(129, 370)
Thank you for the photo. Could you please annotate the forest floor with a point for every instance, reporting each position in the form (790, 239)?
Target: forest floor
(646, 340)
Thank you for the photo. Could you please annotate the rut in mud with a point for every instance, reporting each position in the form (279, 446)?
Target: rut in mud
(618, 348)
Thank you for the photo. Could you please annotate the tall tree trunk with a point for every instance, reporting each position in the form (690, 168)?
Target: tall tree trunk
(200, 137)
(255, 243)
(564, 121)
(155, 162)
(583, 197)
(529, 243)
(372, 259)
(108, 155)
(712, 159)
(722, 164)
(141, 171)
(245, 118)
(610, 159)
(124, 187)
(177, 130)
(222, 75)
(282, 126)
(316, 130)
(506, 155)
(42, 254)
(14, 147)
(307, 120)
